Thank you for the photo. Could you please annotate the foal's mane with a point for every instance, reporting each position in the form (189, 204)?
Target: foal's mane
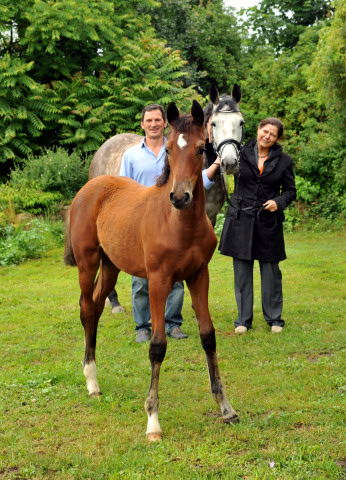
(225, 101)
(182, 124)
(163, 178)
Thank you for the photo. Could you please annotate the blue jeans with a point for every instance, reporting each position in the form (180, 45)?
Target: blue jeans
(141, 305)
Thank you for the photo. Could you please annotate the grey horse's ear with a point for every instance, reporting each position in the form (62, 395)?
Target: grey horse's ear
(172, 113)
(236, 93)
(214, 95)
(197, 113)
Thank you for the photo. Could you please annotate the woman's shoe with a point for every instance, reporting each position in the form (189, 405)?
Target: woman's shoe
(276, 329)
(241, 329)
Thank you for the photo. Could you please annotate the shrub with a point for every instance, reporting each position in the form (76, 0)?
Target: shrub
(29, 198)
(306, 190)
(53, 171)
(29, 240)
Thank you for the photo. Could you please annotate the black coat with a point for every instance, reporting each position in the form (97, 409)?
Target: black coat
(245, 235)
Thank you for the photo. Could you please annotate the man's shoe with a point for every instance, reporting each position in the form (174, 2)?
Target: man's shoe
(177, 333)
(118, 309)
(240, 330)
(276, 329)
(108, 303)
(143, 336)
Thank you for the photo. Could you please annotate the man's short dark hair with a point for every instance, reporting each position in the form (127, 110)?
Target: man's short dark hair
(151, 107)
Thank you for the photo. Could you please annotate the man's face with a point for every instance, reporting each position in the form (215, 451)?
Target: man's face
(153, 124)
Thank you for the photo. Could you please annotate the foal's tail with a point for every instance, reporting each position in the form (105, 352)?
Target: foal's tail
(68, 252)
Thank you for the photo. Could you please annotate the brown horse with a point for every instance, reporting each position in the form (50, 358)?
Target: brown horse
(161, 233)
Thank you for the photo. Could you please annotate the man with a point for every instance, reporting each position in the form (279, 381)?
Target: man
(144, 163)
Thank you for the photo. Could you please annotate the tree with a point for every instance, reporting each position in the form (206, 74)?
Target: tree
(279, 23)
(74, 80)
(207, 36)
(277, 86)
(327, 80)
(328, 73)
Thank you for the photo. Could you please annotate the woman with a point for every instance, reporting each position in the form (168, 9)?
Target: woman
(253, 227)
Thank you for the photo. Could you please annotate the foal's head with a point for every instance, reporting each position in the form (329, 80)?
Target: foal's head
(185, 149)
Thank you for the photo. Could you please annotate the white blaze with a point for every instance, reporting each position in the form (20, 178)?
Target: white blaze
(181, 141)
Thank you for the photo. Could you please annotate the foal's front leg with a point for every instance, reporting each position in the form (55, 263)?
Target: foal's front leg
(158, 293)
(199, 293)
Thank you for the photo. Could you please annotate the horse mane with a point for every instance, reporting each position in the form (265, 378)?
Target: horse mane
(163, 178)
(225, 101)
(182, 125)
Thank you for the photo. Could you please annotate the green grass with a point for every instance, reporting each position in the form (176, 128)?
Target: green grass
(287, 388)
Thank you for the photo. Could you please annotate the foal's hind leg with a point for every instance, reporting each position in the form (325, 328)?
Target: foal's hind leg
(104, 283)
(87, 269)
(199, 293)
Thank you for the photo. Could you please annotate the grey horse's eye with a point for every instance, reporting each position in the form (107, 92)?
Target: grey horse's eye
(242, 122)
(213, 124)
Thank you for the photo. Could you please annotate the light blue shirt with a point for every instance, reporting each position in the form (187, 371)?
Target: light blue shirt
(140, 164)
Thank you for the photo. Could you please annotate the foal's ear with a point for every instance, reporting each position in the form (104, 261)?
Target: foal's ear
(214, 95)
(236, 93)
(172, 113)
(197, 113)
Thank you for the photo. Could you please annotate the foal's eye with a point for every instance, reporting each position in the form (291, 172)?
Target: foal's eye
(200, 151)
(167, 151)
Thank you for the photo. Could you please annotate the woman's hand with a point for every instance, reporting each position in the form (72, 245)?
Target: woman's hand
(270, 205)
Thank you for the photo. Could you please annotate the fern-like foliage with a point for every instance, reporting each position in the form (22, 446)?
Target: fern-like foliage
(74, 80)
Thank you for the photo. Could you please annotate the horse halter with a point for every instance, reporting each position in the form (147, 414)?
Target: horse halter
(228, 141)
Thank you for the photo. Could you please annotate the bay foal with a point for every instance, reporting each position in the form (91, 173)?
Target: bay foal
(160, 232)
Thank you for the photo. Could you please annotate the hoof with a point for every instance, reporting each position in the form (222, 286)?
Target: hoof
(232, 420)
(118, 309)
(96, 395)
(154, 437)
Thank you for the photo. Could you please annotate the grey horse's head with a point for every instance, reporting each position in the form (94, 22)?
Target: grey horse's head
(226, 126)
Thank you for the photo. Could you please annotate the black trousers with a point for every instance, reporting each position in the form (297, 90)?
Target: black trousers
(271, 290)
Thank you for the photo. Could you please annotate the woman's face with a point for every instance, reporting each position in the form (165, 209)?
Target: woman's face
(267, 136)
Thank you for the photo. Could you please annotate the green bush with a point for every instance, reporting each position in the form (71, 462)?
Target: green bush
(30, 240)
(306, 190)
(53, 171)
(320, 173)
(29, 198)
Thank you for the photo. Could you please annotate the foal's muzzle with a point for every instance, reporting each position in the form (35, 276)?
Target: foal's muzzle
(180, 201)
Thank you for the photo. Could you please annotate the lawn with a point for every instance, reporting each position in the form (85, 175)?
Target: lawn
(287, 388)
